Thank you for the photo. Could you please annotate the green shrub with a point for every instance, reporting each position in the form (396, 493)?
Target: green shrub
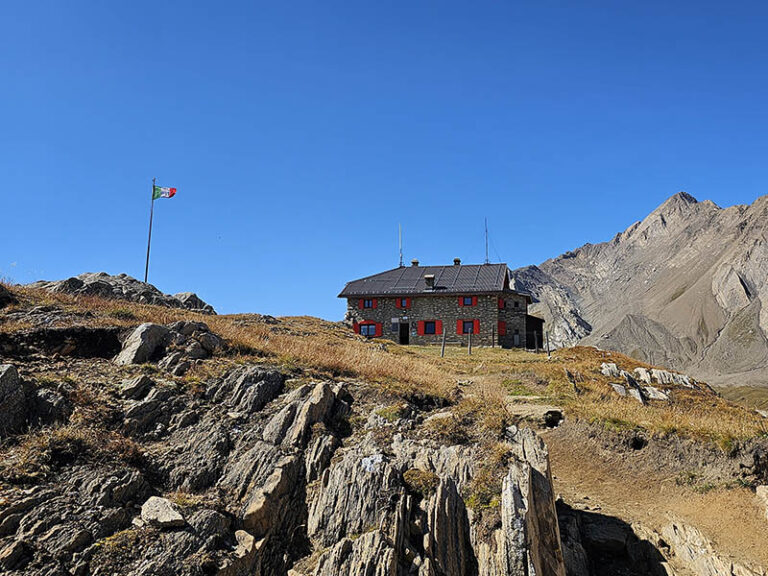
(421, 482)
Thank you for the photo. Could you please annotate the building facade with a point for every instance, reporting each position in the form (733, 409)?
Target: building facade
(417, 304)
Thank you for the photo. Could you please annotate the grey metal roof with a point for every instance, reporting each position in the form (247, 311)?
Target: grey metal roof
(456, 279)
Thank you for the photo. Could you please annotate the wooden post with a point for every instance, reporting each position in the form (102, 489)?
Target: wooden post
(493, 337)
(549, 354)
(442, 348)
(470, 344)
(536, 341)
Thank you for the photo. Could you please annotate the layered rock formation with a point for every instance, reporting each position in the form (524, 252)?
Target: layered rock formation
(124, 287)
(686, 288)
(253, 473)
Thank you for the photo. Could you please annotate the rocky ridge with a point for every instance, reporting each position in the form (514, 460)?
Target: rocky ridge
(123, 287)
(684, 288)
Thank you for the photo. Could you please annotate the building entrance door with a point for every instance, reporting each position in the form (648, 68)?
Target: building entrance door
(405, 333)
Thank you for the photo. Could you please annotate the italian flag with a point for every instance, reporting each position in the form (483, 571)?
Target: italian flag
(162, 192)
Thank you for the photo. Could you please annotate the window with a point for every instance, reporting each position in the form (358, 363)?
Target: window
(403, 303)
(368, 330)
(517, 304)
(429, 327)
(468, 327)
(368, 303)
(467, 301)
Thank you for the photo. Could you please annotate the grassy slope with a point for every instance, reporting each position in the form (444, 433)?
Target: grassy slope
(490, 377)
(479, 391)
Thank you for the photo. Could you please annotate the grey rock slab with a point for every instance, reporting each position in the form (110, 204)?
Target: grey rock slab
(315, 409)
(655, 393)
(609, 369)
(642, 375)
(136, 388)
(143, 344)
(620, 389)
(161, 513)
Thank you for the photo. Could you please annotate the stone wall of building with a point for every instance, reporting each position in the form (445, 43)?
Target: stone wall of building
(513, 314)
(447, 310)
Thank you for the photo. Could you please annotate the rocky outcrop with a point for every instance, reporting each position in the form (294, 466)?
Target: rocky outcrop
(124, 287)
(364, 510)
(175, 347)
(248, 473)
(684, 288)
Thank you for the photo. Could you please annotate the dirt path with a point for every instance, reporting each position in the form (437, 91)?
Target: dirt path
(587, 474)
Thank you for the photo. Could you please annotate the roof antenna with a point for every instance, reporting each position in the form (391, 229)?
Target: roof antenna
(400, 242)
(487, 261)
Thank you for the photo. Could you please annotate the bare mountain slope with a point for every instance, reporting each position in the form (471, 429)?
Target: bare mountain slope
(686, 287)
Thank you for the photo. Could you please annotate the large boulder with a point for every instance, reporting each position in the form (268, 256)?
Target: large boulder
(143, 344)
(192, 301)
(160, 512)
(14, 401)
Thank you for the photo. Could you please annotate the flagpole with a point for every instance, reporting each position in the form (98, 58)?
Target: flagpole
(149, 240)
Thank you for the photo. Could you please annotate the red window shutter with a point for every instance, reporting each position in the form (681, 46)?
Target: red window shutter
(397, 303)
(420, 328)
(361, 304)
(459, 324)
(461, 300)
(502, 328)
(438, 326)
(375, 303)
(474, 300)
(356, 327)
(501, 303)
(378, 329)
(407, 302)
(477, 327)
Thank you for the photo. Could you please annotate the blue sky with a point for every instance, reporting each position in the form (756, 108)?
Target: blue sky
(300, 134)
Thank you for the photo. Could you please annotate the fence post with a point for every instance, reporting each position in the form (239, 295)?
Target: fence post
(470, 343)
(536, 340)
(493, 337)
(442, 348)
(549, 354)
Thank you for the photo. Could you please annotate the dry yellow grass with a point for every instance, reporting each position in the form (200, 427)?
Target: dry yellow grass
(570, 378)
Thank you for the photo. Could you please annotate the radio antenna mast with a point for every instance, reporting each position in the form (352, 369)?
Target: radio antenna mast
(487, 261)
(400, 242)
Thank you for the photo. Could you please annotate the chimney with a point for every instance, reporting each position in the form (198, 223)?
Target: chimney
(457, 261)
(430, 280)
(414, 262)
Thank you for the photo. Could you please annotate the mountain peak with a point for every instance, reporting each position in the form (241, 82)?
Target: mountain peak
(682, 198)
(680, 202)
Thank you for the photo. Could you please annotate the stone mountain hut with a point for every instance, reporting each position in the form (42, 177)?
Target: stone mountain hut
(415, 304)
